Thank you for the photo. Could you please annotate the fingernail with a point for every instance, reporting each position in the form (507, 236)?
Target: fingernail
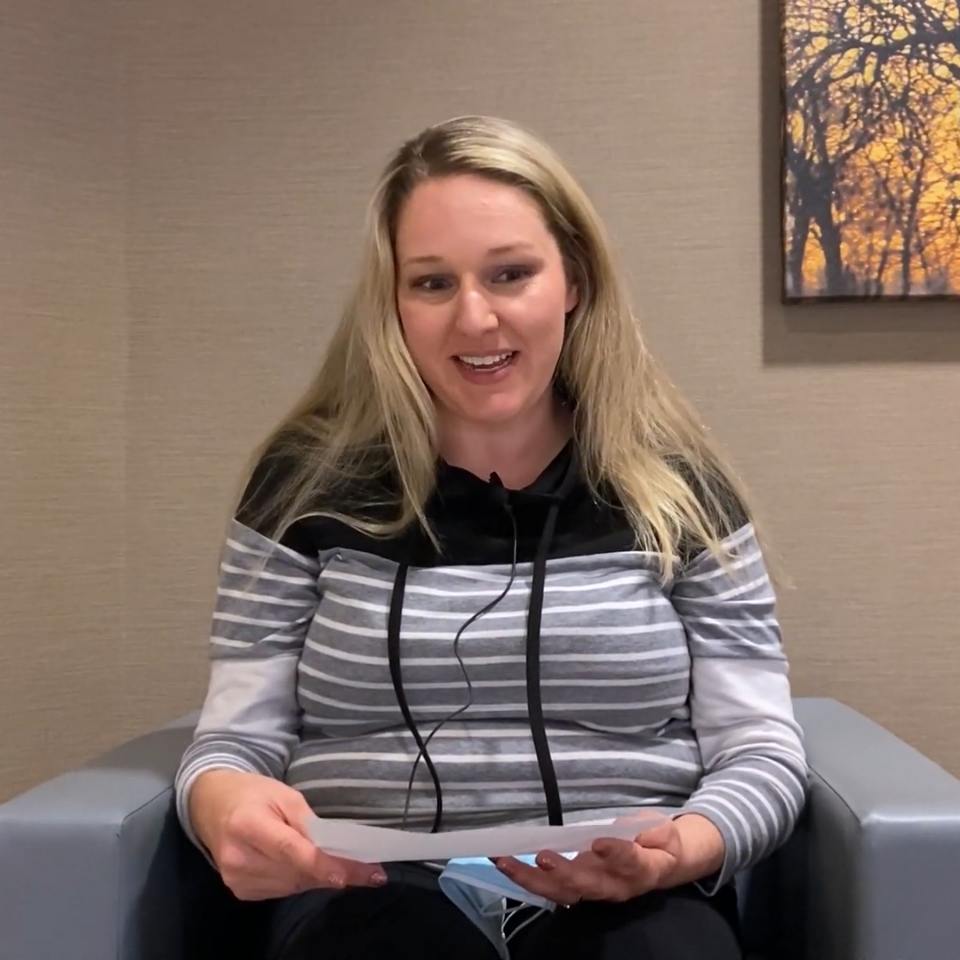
(545, 863)
(378, 878)
(335, 880)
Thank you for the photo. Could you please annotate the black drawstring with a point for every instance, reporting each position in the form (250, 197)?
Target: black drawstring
(463, 670)
(548, 775)
(393, 655)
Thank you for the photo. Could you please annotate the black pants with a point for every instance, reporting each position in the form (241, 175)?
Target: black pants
(410, 918)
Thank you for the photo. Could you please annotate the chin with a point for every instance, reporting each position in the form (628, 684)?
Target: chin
(492, 416)
(492, 412)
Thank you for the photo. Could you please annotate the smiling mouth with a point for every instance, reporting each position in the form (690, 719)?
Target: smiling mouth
(485, 363)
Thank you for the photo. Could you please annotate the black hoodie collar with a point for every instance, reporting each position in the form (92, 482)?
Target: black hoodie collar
(556, 481)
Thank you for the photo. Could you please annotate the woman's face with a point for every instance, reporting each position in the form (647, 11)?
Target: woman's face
(481, 294)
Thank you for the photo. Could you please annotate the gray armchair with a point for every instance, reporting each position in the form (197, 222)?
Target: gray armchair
(93, 864)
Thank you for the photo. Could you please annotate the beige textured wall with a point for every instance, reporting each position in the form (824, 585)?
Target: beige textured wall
(180, 222)
(65, 657)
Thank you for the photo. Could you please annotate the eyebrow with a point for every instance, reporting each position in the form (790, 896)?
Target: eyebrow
(493, 251)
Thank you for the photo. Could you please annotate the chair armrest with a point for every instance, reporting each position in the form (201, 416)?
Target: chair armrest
(93, 863)
(871, 871)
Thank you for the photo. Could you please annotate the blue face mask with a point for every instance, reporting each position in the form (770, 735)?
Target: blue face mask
(480, 890)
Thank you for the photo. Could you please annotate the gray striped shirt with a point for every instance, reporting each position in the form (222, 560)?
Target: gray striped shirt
(675, 697)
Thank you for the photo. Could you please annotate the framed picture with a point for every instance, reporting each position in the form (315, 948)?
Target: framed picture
(870, 149)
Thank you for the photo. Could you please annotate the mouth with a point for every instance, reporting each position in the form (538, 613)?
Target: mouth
(485, 364)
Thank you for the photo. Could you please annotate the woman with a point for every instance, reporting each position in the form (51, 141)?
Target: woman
(491, 570)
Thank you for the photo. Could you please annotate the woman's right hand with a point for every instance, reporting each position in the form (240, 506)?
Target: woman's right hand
(254, 828)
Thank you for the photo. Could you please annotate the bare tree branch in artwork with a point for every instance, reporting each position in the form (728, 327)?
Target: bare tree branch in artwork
(871, 147)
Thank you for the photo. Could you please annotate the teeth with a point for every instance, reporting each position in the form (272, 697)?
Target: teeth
(486, 361)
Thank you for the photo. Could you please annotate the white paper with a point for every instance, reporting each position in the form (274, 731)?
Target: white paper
(355, 841)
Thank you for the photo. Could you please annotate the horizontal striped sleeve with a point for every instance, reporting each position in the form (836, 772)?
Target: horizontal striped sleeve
(266, 600)
(755, 773)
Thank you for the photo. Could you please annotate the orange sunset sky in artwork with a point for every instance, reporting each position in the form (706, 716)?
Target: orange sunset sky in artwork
(871, 147)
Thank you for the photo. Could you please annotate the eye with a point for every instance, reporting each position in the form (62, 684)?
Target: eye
(519, 273)
(423, 284)
(438, 284)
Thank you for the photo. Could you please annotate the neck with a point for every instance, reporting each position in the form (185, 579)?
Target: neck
(517, 452)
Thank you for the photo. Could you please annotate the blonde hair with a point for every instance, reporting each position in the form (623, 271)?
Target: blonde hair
(367, 420)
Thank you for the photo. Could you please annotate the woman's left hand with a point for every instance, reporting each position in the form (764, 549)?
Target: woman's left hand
(612, 869)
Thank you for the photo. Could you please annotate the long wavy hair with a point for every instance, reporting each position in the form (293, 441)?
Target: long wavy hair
(367, 421)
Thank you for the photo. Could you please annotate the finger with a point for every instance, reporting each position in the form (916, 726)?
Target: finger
(253, 876)
(291, 805)
(664, 836)
(618, 855)
(325, 870)
(285, 845)
(640, 866)
(355, 873)
(269, 887)
(339, 871)
(536, 880)
(560, 866)
(588, 875)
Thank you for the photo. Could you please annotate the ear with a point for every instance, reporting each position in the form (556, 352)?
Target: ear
(573, 297)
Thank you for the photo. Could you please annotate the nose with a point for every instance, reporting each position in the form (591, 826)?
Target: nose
(474, 312)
